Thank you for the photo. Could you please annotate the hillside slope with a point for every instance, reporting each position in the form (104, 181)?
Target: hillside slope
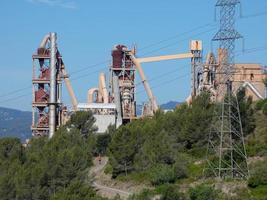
(15, 123)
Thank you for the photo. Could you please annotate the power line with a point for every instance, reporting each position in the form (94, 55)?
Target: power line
(162, 75)
(18, 97)
(176, 36)
(251, 50)
(174, 43)
(85, 75)
(194, 29)
(25, 88)
(151, 45)
(254, 15)
(246, 51)
(165, 83)
(14, 91)
(90, 67)
(15, 98)
(107, 61)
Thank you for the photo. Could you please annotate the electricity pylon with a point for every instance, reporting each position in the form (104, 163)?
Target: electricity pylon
(226, 154)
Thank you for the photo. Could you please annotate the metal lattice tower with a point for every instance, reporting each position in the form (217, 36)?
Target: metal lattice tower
(226, 155)
(47, 107)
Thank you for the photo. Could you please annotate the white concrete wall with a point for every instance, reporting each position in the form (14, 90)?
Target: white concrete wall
(103, 121)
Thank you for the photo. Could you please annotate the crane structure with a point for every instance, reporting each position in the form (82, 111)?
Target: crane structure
(48, 111)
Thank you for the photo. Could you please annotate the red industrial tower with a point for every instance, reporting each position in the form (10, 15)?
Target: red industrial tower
(123, 83)
(46, 86)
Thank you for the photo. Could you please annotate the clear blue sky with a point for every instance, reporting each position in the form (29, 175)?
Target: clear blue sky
(88, 29)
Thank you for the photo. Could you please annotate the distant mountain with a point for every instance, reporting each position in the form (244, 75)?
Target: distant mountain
(15, 123)
(166, 106)
(169, 105)
(139, 109)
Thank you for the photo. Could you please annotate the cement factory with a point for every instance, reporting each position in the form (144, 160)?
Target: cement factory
(113, 100)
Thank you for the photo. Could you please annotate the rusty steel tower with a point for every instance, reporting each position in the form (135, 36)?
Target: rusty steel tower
(226, 155)
(122, 84)
(47, 107)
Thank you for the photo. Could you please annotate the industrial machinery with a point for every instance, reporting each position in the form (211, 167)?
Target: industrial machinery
(115, 103)
(48, 112)
(122, 82)
(249, 76)
(100, 104)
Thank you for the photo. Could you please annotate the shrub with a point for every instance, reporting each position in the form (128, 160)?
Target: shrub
(258, 175)
(171, 192)
(261, 105)
(259, 192)
(180, 166)
(202, 192)
(264, 108)
(161, 174)
(145, 194)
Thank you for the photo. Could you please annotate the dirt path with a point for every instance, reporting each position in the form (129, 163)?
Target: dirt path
(103, 183)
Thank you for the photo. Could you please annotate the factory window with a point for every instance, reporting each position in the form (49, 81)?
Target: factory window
(251, 76)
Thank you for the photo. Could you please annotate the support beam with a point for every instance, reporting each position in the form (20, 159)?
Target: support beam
(150, 95)
(53, 85)
(117, 99)
(73, 98)
(167, 57)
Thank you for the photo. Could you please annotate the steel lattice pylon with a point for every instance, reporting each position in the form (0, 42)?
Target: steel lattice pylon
(226, 154)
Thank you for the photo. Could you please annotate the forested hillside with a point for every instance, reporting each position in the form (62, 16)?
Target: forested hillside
(53, 169)
(166, 153)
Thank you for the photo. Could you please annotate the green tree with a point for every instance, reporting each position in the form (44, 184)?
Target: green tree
(11, 158)
(122, 150)
(246, 112)
(157, 149)
(83, 121)
(102, 142)
(50, 167)
(196, 121)
(78, 191)
(265, 82)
